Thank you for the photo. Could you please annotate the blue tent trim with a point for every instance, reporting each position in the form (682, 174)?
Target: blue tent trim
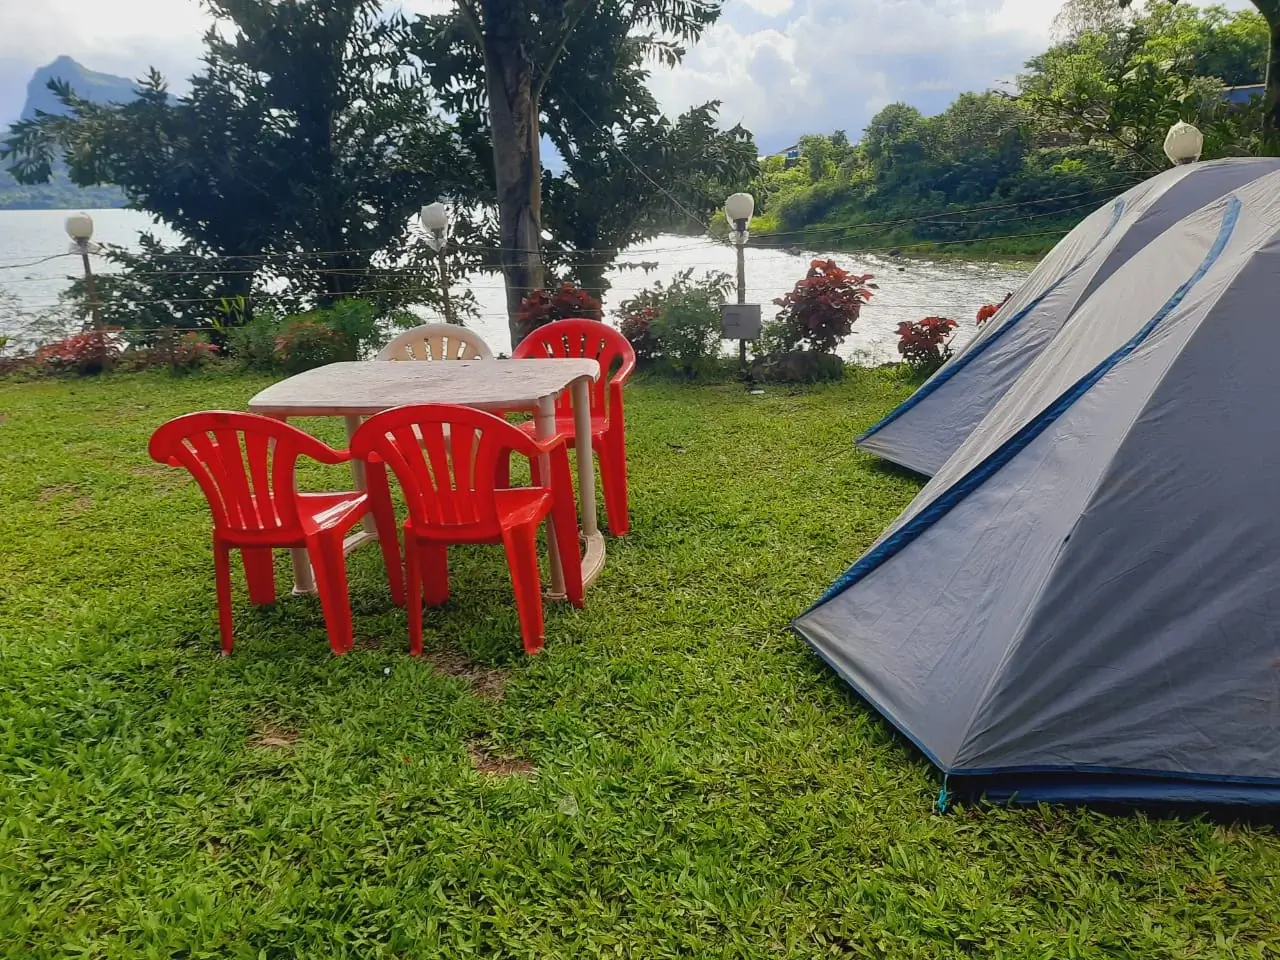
(979, 475)
(1082, 783)
(966, 358)
(1126, 789)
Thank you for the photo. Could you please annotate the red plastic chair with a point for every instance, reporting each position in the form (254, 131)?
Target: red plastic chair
(245, 465)
(445, 457)
(600, 342)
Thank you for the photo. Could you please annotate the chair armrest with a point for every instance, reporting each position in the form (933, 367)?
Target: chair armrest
(321, 452)
(624, 372)
(548, 444)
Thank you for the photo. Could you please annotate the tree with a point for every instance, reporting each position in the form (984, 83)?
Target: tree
(519, 48)
(1124, 85)
(1270, 11)
(308, 140)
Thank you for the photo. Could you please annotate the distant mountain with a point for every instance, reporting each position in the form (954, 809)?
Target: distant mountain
(90, 84)
(60, 192)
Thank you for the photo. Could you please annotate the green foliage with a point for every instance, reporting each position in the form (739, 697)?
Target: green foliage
(593, 62)
(1123, 88)
(677, 775)
(253, 344)
(676, 326)
(776, 338)
(347, 330)
(308, 140)
(1000, 174)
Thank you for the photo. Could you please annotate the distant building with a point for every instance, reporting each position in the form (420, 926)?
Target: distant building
(1243, 95)
(790, 156)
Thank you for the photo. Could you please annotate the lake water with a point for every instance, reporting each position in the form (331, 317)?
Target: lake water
(909, 288)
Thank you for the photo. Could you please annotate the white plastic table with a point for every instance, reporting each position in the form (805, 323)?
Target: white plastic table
(354, 390)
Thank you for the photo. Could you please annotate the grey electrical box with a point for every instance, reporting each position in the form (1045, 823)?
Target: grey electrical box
(740, 321)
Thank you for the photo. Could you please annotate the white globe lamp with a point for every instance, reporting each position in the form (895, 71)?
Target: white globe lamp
(1183, 144)
(80, 227)
(738, 210)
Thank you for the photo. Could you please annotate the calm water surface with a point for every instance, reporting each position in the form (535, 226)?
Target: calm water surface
(909, 289)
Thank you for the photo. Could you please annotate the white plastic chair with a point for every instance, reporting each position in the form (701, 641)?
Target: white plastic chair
(436, 341)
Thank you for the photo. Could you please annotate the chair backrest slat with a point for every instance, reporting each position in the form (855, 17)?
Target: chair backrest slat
(437, 341)
(591, 339)
(445, 457)
(244, 465)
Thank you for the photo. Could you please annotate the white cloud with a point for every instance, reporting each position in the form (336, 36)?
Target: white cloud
(110, 35)
(834, 63)
(770, 8)
(782, 67)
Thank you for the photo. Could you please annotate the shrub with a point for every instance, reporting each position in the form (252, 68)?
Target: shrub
(823, 307)
(926, 344)
(185, 353)
(347, 330)
(677, 325)
(92, 351)
(307, 342)
(567, 302)
(254, 343)
(636, 324)
(356, 321)
(776, 338)
(688, 329)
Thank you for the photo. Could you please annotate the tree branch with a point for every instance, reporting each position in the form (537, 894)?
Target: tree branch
(570, 23)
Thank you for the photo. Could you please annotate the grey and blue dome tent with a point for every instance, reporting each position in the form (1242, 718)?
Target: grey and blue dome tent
(930, 425)
(1084, 603)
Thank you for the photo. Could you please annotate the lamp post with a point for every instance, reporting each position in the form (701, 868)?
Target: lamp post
(738, 210)
(80, 230)
(1183, 144)
(435, 220)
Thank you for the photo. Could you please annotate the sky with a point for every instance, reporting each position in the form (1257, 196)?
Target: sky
(780, 67)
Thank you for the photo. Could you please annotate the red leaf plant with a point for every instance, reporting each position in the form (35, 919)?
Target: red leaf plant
(991, 309)
(567, 302)
(926, 343)
(822, 308)
(92, 351)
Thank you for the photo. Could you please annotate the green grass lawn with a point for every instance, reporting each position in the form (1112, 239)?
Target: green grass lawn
(677, 775)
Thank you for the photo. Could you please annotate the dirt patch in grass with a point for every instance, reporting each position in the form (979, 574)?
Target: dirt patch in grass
(367, 644)
(489, 683)
(165, 476)
(58, 490)
(272, 736)
(484, 760)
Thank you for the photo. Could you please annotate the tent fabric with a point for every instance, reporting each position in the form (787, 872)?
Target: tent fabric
(1084, 602)
(923, 432)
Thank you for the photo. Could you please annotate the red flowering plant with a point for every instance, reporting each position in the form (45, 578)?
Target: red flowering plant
(821, 309)
(92, 351)
(991, 309)
(308, 343)
(635, 320)
(926, 343)
(566, 302)
(191, 351)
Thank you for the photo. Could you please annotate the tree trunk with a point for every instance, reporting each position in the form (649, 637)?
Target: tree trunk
(513, 117)
(1270, 9)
